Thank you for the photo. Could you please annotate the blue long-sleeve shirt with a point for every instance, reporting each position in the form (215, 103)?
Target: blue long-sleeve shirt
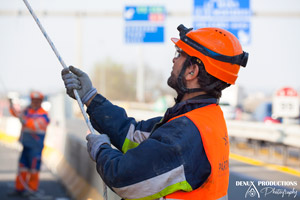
(153, 157)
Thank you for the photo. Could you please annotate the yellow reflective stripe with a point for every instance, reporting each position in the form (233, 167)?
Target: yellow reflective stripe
(184, 185)
(128, 144)
(155, 185)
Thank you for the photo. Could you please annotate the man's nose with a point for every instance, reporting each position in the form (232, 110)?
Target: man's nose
(173, 60)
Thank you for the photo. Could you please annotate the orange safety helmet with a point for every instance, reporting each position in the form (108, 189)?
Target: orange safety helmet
(36, 95)
(218, 49)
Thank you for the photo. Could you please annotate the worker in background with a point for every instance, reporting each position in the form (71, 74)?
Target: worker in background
(185, 153)
(34, 121)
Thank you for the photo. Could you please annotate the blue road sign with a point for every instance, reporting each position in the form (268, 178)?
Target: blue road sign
(232, 15)
(144, 34)
(144, 24)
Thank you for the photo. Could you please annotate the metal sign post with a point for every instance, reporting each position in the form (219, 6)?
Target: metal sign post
(143, 24)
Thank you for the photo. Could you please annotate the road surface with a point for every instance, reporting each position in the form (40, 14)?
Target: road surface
(50, 187)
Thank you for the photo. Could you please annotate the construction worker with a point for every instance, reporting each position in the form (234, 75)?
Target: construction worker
(185, 153)
(34, 121)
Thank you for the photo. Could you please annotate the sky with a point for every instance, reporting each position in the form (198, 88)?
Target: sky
(27, 61)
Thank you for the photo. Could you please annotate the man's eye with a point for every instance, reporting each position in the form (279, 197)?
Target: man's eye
(177, 54)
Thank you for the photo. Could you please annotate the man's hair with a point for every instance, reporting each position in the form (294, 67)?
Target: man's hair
(209, 83)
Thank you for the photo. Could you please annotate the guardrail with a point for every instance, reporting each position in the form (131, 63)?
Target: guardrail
(288, 135)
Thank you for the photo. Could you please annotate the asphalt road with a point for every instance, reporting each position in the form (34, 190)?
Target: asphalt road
(258, 182)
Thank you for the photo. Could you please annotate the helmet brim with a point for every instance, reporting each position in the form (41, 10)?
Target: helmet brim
(175, 40)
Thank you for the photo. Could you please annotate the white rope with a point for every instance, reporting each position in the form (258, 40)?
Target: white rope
(64, 66)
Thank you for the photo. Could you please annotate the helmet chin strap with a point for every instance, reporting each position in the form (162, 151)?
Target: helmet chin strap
(181, 87)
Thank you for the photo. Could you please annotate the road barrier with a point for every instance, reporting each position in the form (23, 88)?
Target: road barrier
(284, 134)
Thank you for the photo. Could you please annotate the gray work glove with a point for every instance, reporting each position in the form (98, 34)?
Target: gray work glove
(80, 81)
(20, 116)
(94, 142)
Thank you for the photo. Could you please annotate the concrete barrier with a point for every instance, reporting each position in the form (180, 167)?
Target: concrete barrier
(74, 169)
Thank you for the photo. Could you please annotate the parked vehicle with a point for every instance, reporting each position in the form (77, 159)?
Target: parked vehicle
(263, 113)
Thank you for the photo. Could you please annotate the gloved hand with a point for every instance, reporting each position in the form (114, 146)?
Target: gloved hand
(94, 143)
(80, 81)
(17, 114)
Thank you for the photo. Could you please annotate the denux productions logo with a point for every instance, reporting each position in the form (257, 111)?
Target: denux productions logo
(251, 191)
(269, 188)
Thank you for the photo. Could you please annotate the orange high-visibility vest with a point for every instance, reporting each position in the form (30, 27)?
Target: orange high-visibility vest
(35, 121)
(212, 127)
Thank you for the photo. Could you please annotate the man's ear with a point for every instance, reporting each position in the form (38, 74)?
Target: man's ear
(191, 72)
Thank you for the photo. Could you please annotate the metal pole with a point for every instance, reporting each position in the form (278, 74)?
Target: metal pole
(140, 90)
(61, 62)
(65, 66)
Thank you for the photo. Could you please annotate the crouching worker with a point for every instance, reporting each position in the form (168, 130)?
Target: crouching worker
(34, 121)
(185, 153)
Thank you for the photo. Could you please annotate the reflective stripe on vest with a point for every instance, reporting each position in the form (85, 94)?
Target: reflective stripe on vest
(211, 124)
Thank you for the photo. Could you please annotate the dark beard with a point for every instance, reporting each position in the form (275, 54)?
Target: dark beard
(173, 83)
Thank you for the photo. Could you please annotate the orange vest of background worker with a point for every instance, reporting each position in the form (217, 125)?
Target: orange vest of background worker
(212, 127)
(34, 121)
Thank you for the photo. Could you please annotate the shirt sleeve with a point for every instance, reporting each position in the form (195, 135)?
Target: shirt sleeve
(124, 132)
(171, 159)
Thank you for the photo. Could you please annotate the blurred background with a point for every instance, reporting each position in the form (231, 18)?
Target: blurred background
(125, 47)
